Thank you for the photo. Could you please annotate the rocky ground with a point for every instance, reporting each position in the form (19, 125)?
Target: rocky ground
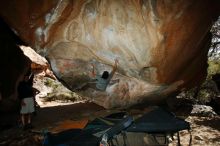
(204, 122)
(205, 132)
(205, 129)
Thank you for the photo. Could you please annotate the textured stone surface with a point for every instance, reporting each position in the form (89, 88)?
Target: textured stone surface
(161, 45)
(39, 64)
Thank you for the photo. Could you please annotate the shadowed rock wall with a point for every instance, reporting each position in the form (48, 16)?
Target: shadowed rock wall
(161, 45)
(13, 64)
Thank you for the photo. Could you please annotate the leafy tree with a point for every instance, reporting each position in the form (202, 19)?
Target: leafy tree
(214, 51)
(205, 92)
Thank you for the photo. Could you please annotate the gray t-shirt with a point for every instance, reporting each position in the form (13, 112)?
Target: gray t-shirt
(101, 83)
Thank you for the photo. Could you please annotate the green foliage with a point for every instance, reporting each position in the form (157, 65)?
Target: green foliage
(203, 93)
(51, 83)
(191, 93)
(48, 82)
(59, 92)
(214, 51)
(64, 97)
(214, 67)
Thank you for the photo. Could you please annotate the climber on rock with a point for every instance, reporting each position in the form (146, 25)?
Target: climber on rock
(100, 82)
(103, 80)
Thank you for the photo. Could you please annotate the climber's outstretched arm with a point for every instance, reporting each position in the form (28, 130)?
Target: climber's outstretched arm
(114, 68)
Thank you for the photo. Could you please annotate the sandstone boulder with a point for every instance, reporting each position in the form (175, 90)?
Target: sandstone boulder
(161, 45)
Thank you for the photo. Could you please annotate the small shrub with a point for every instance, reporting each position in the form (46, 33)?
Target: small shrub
(48, 82)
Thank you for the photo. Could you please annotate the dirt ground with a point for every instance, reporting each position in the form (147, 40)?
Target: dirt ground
(205, 130)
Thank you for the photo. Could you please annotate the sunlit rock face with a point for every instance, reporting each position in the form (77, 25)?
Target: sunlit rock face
(161, 45)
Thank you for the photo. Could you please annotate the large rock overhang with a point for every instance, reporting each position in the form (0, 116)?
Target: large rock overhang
(161, 45)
